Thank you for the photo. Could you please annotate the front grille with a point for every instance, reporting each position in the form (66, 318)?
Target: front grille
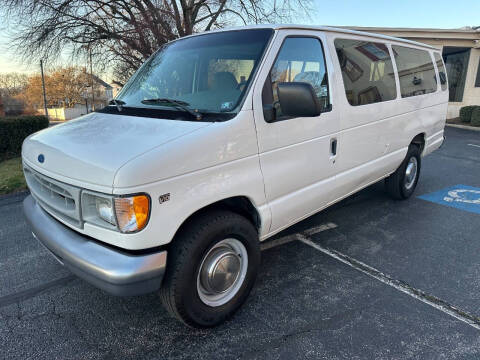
(59, 199)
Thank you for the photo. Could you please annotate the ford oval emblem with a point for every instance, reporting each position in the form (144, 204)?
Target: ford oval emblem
(41, 158)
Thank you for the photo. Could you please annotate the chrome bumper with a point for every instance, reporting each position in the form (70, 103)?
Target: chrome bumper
(115, 271)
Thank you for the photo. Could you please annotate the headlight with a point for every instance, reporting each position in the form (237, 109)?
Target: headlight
(105, 210)
(125, 214)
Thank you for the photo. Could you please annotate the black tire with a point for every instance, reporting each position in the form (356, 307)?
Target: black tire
(179, 292)
(396, 183)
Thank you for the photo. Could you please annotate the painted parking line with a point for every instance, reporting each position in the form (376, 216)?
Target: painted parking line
(474, 145)
(433, 301)
(399, 285)
(461, 197)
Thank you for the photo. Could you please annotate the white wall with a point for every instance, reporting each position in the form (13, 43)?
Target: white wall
(75, 112)
(61, 114)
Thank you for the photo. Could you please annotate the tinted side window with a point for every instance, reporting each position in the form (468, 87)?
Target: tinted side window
(441, 71)
(415, 70)
(367, 71)
(299, 60)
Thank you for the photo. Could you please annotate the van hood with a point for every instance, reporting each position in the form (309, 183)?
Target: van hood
(92, 148)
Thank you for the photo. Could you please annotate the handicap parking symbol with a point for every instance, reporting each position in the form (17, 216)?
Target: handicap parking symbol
(462, 197)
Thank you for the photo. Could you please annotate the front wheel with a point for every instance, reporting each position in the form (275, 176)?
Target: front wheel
(401, 184)
(212, 266)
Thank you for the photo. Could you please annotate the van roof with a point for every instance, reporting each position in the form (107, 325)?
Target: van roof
(324, 28)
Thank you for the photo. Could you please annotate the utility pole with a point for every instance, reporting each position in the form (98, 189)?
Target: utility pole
(43, 87)
(91, 77)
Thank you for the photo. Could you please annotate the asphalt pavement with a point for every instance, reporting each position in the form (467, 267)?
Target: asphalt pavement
(369, 278)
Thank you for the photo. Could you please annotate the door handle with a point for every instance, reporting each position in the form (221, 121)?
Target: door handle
(333, 147)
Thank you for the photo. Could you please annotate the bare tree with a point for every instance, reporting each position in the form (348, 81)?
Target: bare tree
(12, 84)
(66, 87)
(123, 33)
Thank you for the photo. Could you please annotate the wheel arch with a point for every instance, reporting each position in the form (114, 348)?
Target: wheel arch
(241, 205)
(419, 140)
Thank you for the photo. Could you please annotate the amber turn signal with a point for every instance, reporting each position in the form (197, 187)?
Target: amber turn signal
(132, 212)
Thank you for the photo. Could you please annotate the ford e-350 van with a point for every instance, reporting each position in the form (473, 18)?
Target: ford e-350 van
(221, 140)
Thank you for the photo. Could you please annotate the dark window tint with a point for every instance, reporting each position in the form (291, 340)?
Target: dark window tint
(415, 70)
(299, 60)
(441, 71)
(367, 71)
(456, 61)
(477, 80)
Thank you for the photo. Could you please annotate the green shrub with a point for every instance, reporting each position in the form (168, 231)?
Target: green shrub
(466, 113)
(475, 116)
(13, 130)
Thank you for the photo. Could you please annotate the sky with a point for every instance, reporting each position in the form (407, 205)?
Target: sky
(442, 14)
(382, 13)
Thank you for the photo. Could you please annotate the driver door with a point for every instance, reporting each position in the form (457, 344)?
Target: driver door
(298, 155)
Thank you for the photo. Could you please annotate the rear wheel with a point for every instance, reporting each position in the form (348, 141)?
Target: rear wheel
(212, 266)
(402, 183)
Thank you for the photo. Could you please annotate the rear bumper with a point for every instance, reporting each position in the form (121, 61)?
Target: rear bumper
(112, 270)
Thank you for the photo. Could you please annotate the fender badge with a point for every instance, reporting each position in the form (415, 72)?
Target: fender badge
(164, 198)
(41, 158)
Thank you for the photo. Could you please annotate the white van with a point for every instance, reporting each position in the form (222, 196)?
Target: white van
(221, 140)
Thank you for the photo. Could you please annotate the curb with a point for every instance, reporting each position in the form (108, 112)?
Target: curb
(465, 127)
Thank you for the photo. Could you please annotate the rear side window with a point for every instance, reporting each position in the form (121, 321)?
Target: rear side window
(300, 59)
(415, 70)
(441, 71)
(367, 71)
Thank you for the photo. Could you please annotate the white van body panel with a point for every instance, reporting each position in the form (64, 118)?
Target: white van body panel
(206, 169)
(91, 149)
(285, 169)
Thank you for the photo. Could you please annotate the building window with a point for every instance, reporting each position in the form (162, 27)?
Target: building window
(367, 71)
(456, 62)
(415, 71)
(477, 81)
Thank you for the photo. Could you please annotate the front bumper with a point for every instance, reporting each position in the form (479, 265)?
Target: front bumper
(112, 270)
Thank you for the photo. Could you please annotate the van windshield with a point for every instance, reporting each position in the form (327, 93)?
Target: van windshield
(203, 74)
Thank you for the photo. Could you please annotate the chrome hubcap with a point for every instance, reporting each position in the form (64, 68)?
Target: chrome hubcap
(222, 272)
(411, 172)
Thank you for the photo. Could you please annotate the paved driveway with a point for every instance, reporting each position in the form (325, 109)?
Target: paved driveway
(368, 278)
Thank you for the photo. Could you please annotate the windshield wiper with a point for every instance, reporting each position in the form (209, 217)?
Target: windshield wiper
(181, 105)
(118, 103)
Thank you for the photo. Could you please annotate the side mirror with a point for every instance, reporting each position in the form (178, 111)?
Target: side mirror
(269, 113)
(298, 99)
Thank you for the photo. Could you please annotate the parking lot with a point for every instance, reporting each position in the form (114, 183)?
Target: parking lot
(369, 278)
